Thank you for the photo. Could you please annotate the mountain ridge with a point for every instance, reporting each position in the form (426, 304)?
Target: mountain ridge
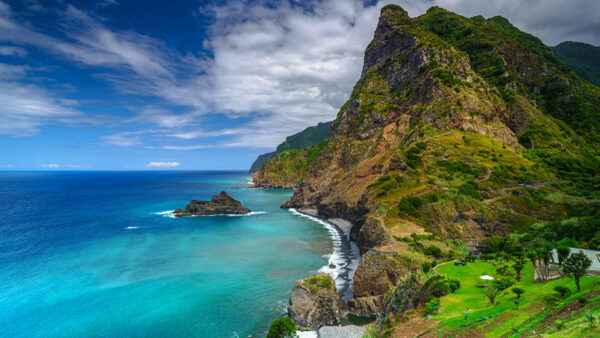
(302, 140)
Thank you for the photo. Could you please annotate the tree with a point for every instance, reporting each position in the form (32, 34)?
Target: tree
(518, 267)
(532, 257)
(576, 266)
(562, 290)
(491, 293)
(282, 327)
(563, 253)
(494, 243)
(518, 291)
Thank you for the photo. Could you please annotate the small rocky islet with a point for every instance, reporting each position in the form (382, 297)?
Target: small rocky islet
(221, 204)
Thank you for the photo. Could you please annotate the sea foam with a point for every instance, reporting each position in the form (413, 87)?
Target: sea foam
(345, 256)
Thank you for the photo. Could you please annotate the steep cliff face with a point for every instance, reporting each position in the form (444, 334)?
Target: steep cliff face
(303, 140)
(439, 130)
(288, 168)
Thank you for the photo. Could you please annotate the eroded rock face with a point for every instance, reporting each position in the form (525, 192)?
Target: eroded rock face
(221, 204)
(375, 275)
(314, 302)
(370, 307)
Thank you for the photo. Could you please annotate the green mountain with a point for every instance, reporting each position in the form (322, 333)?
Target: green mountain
(461, 134)
(583, 58)
(299, 141)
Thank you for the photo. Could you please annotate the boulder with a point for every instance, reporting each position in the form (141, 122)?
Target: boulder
(221, 204)
(314, 302)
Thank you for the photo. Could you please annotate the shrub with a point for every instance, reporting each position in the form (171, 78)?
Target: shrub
(410, 206)
(518, 291)
(453, 284)
(491, 293)
(470, 189)
(433, 250)
(582, 300)
(373, 331)
(592, 319)
(504, 282)
(432, 306)
(559, 324)
(562, 290)
(440, 288)
(282, 327)
(426, 266)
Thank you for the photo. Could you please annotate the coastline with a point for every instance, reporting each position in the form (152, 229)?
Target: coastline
(345, 256)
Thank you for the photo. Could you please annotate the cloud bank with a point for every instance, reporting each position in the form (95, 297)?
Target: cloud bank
(163, 164)
(274, 67)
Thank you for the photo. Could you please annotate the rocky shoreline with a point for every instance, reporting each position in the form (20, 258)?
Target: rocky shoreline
(346, 256)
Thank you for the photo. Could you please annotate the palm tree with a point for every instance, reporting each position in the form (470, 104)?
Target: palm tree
(491, 293)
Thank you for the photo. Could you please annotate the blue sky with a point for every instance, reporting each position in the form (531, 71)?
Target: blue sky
(112, 85)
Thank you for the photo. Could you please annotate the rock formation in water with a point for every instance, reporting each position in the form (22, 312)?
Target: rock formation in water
(314, 302)
(221, 204)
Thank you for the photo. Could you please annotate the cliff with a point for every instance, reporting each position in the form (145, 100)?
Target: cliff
(303, 140)
(450, 113)
(459, 128)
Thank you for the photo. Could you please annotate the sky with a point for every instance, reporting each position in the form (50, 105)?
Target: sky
(197, 85)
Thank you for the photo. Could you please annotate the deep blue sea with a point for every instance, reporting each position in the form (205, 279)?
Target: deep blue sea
(94, 254)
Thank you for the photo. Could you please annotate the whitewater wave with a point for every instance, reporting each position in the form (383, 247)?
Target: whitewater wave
(130, 228)
(344, 258)
(168, 213)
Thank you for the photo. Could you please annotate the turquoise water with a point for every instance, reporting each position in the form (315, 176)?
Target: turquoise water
(89, 254)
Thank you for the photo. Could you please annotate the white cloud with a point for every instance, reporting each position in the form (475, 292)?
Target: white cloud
(26, 108)
(163, 164)
(279, 65)
(13, 51)
(50, 165)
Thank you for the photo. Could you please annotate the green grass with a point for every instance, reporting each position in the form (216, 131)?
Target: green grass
(470, 298)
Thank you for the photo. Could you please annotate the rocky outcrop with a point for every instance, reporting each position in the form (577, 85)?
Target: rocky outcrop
(371, 234)
(314, 302)
(370, 307)
(221, 204)
(375, 275)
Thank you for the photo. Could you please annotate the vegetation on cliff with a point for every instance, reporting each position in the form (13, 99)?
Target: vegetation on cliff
(303, 140)
(583, 58)
(461, 133)
(288, 168)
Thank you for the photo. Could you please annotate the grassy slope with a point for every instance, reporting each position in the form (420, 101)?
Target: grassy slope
(503, 319)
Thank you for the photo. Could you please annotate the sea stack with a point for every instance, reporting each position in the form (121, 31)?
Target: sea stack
(221, 204)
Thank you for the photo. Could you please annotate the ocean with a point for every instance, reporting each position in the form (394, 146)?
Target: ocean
(97, 254)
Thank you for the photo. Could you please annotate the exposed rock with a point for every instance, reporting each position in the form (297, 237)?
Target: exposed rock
(371, 234)
(370, 307)
(314, 302)
(375, 275)
(221, 204)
